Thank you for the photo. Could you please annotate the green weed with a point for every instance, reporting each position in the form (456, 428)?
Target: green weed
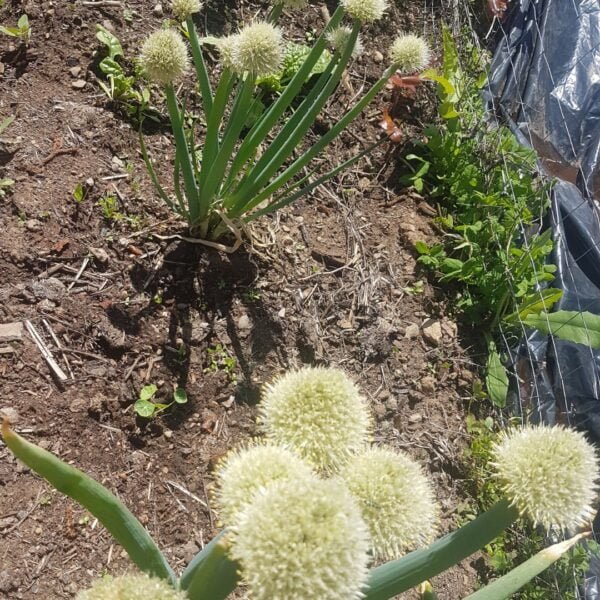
(22, 31)
(219, 359)
(146, 405)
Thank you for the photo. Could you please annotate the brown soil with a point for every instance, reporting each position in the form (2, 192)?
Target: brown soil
(329, 281)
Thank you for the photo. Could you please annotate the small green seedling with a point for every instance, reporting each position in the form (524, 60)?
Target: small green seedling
(5, 186)
(146, 407)
(79, 193)
(21, 31)
(120, 87)
(219, 359)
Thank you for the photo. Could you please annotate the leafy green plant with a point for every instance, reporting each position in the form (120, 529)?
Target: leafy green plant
(299, 505)
(21, 31)
(146, 406)
(6, 185)
(79, 193)
(120, 87)
(490, 207)
(219, 359)
(242, 173)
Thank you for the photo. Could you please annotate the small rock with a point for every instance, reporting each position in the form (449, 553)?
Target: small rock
(78, 84)
(428, 385)
(412, 331)
(244, 322)
(50, 289)
(7, 582)
(432, 332)
(78, 405)
(415, 418)
(100, 255)
(168, 433)
(158, 10)
(9, 413)
(11, 332)
(377, 56)
(392, 404)
(75, 71)
(89, 183)
(33, 225)
(46, 305)
(199, 332)
(379, 410)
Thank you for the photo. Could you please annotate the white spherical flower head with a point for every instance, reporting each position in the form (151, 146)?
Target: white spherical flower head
(395, 498)
(243, 473)
(182, 9)
(366, 11)
(549, 473)
(338, 38)
(131, 587)
(302, 540)
(164, 56)
(225, 46)
(318, 413)
(410, 54)
(258, 49)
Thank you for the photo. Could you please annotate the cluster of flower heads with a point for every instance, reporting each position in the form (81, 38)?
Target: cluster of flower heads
(311, 504)
(258, 47)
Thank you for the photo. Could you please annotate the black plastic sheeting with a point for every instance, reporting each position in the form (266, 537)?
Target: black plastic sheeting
(545, 84)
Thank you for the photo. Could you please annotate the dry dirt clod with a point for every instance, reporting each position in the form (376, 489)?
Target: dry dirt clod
(11, 332)
(78, 84)
(52, 289)
(432, 332)
(412, 331)
(428, 385)
(158, 10)
(75, 71)
(100, 255)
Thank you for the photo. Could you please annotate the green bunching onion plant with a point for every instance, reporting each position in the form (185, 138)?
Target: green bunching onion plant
(309, 507)
(241, 170)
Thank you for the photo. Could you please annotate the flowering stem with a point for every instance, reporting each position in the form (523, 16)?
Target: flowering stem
(400, 575)
(101, 503)
(196, 212)
(210, 574)
(200, 65)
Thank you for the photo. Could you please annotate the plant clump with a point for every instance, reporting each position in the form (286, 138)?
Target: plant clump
(243, 473)
(164, 56)
(396, 500)
(410, 53)
(549, 473)
(366, 11)
(319, 414)
(302, 539)
(131, 587)
(294, 4)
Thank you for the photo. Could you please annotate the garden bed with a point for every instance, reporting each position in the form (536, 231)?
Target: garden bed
(332, 280)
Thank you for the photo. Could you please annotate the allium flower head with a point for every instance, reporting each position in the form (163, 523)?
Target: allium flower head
(318, 413)
(410, 53)
(131, 587)
(243, 473)
(225, 46)
(366, 11)
(302, 540)
(395, 498)
(549, 474)
(183, 9)
(338, 38)
(258, 49)
(164, 56)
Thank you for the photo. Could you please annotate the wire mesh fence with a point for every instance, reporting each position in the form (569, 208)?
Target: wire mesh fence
(544, 85)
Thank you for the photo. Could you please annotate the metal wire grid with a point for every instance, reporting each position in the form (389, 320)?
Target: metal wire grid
(458, 12)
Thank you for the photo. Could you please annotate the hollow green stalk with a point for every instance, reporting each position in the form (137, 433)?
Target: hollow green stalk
(400, 575)
(101, 503)
(196, 212)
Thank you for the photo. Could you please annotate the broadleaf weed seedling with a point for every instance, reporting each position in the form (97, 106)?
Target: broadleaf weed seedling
(245, 173)
(146, 405)
(22, 31)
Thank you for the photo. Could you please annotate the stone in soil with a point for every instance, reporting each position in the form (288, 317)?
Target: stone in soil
(11, 332)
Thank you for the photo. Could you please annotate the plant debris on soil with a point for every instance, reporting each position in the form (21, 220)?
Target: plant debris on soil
(120, 303)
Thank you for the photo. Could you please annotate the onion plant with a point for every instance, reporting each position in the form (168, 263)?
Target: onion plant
(307, 509)
(246, 166)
